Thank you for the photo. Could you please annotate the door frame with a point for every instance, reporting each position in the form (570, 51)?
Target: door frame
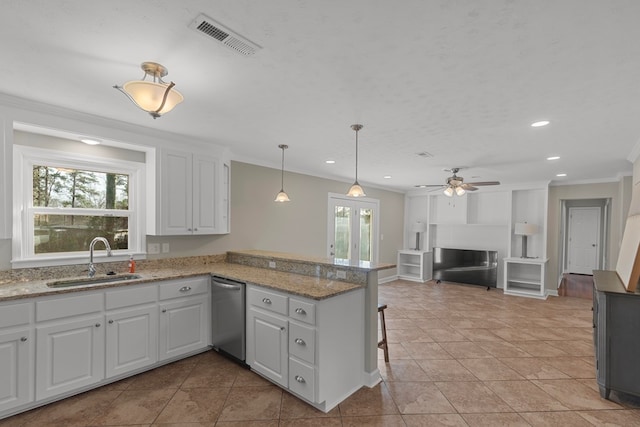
(605, 214)
(571, 210)
(357, 204)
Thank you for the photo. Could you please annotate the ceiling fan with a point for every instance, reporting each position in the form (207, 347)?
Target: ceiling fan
(456, 184)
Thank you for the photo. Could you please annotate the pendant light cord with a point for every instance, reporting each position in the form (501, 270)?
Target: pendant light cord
(282, 175)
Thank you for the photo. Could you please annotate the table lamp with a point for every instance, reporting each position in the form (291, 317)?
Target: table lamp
(524, 229)
(418, 228)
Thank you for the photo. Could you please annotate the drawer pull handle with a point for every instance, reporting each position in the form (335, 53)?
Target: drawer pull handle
(97, 325)
(266, 300)
(301, 311)
(23, 339)
(111, 322)
(164, 310)
(300, 341)
(282, 328)
(185, 289)
(300, 379)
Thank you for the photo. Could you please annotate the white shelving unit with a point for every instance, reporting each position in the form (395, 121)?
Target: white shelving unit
(414, 265)
(525, 277)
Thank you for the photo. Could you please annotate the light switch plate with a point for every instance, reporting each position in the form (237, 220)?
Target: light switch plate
(165, 248)
(153, 248)
(272, 264)
(341, 274)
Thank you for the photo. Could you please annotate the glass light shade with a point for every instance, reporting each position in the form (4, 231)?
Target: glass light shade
(282, 197)
(148, 95)
(448, 191)
(460, 191)
(356, 190)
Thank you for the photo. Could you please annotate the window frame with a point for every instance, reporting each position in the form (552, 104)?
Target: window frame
(25, 158)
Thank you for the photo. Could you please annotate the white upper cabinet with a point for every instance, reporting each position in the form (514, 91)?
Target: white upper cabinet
(192, 195)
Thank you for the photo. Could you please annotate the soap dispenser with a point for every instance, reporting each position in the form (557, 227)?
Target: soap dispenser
(132, 264)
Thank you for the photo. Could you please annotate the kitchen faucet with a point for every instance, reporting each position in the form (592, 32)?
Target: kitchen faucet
(92, 268)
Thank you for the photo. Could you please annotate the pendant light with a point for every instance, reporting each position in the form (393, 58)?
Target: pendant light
(356, 190)
(282, 196)
(153, 96)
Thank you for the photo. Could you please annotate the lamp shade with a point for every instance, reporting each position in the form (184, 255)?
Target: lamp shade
(448, 191)
(525, 229)
(419, 227)
(148, 95)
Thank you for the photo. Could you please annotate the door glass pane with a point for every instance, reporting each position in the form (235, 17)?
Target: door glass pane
(366, 234)
(342, 216)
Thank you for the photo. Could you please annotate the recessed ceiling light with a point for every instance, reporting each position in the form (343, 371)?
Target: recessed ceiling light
(561, 174)
(90, 141)
(553, 158)
(387, 177)
(540, 123)
(329, 162)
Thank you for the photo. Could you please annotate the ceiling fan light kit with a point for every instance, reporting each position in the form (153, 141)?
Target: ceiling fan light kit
(455, 184)
(153, 96)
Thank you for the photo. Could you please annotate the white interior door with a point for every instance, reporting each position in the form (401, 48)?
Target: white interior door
(584, 240)
(352, 229)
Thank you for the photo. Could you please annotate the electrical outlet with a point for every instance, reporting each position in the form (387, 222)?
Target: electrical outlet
(153, 248)
(341, 274)
(165, 248)
(272, 264)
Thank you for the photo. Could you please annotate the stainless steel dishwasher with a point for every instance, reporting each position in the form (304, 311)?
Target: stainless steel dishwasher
(228, 317)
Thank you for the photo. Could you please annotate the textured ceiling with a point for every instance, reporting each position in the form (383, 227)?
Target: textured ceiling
(461, 80)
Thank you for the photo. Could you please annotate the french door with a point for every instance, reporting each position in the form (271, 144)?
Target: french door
(352, 229)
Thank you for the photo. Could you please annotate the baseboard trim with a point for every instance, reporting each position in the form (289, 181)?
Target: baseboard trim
(371, 379)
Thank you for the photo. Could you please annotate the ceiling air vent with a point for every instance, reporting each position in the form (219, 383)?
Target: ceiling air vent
(210, 28)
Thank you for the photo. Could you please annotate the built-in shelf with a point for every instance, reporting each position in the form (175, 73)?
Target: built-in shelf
(525, 277)
(414, 265)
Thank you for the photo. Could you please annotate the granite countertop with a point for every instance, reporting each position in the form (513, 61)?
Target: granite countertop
(306, 286)
(330, 262)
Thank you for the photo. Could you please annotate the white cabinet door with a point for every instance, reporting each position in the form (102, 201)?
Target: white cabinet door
(205, 195)
(70, 355)
(176, 197)
(267, 346)
(183, 326)
(16, 368)
(132, 339)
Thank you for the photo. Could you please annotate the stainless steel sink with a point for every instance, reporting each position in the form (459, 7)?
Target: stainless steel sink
(91, 280)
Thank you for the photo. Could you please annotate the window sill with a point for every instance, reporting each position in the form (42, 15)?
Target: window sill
(57, 261)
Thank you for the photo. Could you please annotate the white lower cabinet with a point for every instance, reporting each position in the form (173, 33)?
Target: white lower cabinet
(56, 345)
(70, 355)
(184, 317)
(131, 329)
(17, 356)
(315, 349)
(268, 336)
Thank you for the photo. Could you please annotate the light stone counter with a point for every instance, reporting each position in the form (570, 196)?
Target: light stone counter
(306, 286)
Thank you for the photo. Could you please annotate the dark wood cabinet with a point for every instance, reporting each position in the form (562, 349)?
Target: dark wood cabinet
(616, 335)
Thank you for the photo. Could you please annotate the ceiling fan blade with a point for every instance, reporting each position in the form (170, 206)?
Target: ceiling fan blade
(429, 185)
(484, 183)
(468, 187)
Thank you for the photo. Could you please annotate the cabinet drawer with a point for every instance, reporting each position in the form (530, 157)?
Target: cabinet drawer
(302, 342)
(268, 300)
(15, 314)
(68, 306)
(132, 296)
(302, 310)
(184, 288)
(302, 379)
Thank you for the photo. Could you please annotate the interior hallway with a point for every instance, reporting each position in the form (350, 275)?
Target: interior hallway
(460, 356)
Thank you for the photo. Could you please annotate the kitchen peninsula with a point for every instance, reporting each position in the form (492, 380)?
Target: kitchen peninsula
(32, 313)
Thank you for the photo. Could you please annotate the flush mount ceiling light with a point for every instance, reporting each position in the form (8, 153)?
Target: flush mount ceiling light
(90, 141)
(153, 96)
(282, 196)
(553, 158)
(356, 190)
(540, 123)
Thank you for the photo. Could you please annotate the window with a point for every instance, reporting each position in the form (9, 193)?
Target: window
(63, 200)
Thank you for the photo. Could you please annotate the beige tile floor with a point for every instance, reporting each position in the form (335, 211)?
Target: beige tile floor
(460, 356)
